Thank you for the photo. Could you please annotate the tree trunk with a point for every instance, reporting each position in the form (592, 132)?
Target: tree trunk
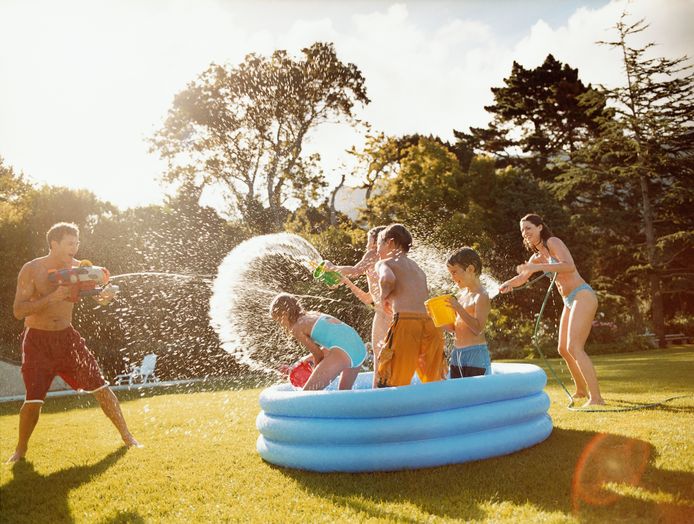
(333, 213)
(657, 315)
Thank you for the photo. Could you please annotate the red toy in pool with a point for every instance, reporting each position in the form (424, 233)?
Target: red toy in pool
(300, 372)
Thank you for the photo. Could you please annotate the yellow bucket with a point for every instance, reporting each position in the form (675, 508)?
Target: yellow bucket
(439, 310)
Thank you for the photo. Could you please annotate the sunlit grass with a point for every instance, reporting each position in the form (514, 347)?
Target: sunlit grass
(200, 463)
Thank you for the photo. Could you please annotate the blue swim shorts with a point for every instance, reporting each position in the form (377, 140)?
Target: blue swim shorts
(470, 361)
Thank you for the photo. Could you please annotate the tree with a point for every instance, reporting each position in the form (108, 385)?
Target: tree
(641, 164)
(537, 117)
(424, 191)
(657, 110)
(380, 160)
(245, 127)
(14, 209)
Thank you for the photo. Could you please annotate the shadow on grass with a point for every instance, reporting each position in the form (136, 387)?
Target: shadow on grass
(32, 497)
(124, 517)
(666, 405)
(557, 475)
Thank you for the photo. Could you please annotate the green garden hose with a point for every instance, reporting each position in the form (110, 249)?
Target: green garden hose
(556, 377)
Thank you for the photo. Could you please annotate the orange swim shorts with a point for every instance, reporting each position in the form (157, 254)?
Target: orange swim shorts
(412, 344)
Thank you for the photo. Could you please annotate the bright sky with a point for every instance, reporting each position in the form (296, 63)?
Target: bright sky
(85, 82)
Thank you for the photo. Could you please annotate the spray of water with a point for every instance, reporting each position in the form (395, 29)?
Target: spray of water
(263, 266)
(204, 278)
(433, 262)
(247, 279)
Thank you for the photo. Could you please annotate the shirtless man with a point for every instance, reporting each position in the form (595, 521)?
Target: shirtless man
(50, 345)
(367, 266)
(413, 343)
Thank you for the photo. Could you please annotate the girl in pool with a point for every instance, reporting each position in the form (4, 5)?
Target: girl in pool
(335, 347)
(551, 255)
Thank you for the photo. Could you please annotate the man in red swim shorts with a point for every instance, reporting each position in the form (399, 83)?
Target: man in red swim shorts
(50, 345)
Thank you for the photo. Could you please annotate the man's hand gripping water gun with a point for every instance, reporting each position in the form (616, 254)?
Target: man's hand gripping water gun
(85, 280)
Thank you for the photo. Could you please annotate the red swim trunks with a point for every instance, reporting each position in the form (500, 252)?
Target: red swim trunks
(46, 354)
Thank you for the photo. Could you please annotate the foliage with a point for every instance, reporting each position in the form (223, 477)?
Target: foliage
(245, 127)
(537, 117)
(640, 164)
(343, 242)
(681, 323)
(426, 191)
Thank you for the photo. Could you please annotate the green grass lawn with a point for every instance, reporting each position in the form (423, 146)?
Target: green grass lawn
(200, 463)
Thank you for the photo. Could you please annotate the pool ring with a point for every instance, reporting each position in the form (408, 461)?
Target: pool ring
(406, 427)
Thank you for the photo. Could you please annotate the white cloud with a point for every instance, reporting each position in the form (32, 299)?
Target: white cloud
(575, 42)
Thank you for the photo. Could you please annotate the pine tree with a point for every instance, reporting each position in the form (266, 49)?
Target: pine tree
(537, 118)
(641, 164)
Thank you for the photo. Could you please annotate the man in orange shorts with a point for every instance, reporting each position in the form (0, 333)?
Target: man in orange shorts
(50, 345)
(413, 343)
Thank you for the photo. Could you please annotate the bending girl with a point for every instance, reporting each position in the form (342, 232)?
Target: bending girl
(335, 347)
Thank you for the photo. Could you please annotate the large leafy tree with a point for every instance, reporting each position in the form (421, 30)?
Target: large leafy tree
(640, 165)
(537, 116)
(14, 210)
(424, 191)
(244, 127)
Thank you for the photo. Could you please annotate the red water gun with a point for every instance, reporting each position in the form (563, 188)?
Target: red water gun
(84, 281)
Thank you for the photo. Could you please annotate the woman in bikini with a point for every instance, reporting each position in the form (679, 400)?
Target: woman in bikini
(551, 255)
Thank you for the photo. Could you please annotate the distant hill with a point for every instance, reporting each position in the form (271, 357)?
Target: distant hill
(349, 200)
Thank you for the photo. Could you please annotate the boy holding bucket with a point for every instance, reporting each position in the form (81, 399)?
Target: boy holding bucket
(470, 357)
(412, 343)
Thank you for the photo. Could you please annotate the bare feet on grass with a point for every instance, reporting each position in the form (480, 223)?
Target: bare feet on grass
(16, 457)
(594, 402)
(579, 394)
(131, 442)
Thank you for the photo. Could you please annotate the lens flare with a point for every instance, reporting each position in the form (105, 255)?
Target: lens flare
(607, 459)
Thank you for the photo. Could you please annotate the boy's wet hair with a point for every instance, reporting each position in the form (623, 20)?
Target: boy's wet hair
(465, 257)
(285, 303)
(399, 234)
(372, 235)
(61, 229)
(545, 232)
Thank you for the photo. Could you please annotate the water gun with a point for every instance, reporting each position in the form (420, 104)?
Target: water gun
(84, 280)
(322, 274)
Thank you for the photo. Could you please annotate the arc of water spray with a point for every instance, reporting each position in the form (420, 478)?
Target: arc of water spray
(233, 279)
(204, 278)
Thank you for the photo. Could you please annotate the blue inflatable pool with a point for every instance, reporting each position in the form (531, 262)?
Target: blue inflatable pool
(406, 427)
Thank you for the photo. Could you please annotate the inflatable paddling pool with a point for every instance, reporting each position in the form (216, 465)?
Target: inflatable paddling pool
(406, 427)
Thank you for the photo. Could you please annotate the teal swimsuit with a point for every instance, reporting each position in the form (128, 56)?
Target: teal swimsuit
(328, 333)
(571, 297)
